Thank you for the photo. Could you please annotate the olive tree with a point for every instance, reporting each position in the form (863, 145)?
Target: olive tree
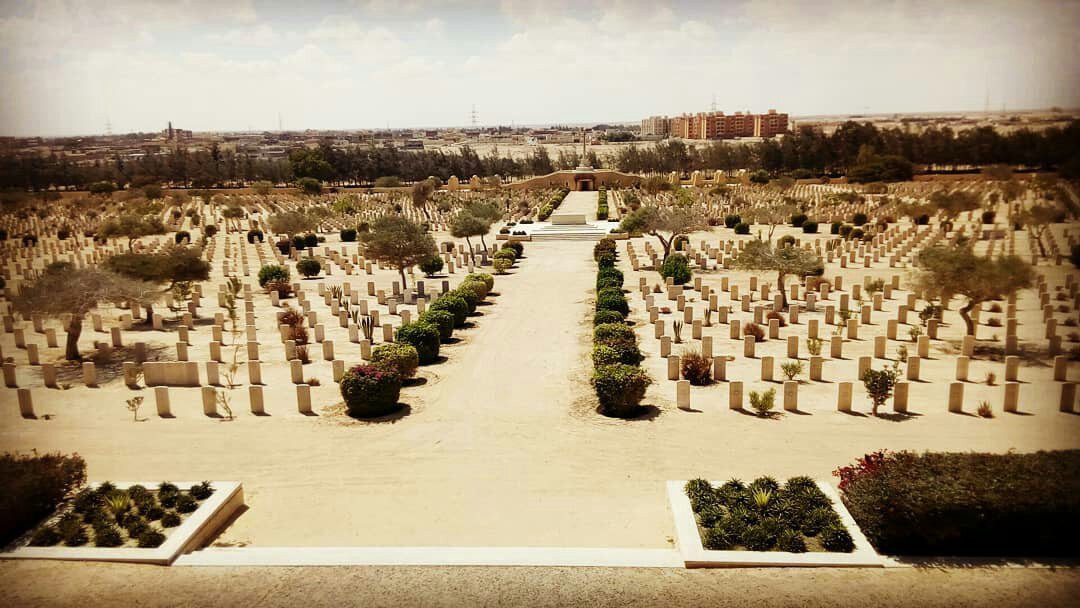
(785, 260)
(1038, 220)
(421, 192)
(398, 241)
(464, 225)
(665, 223)
(132, 227)
(291, 223)
(76, 291)
(952, 203)
(945, 271)
(487, 212)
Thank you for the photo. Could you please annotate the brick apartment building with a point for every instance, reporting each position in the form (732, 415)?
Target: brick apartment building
(716, 125)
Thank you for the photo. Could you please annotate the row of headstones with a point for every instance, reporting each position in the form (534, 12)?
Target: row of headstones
(1066, 403)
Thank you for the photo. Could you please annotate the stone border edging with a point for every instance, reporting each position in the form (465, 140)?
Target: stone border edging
(696, 556)
(228, 496)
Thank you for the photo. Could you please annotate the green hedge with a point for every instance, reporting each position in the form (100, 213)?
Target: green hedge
(369, 391)
(966, 504)
(423, 336)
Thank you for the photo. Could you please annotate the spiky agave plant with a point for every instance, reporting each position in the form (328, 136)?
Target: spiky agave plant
(368, 326)
(118, 503)
(762, 497)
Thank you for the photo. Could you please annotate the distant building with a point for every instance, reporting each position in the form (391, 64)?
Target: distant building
(716, 125)
(172, 134)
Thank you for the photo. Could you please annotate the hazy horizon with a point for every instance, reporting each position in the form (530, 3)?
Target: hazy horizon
(70, 67)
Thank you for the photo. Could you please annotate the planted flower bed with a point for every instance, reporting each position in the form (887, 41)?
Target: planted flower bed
(764, 522)
(132, 522)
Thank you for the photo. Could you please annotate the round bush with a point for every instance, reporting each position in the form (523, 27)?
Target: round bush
(442, 320)
(308, 267)
(424, 336)
(284, 246)
(210, 230)
(201, 491)
(402, 359)
(185, 503)
(516, 246)
(798, 219)
(791, 541)
(505, 254)
(718, 539)
(742, 228)
(311, 240)
(627, 350)
(369, 391)
(609, 277)
(620, 389)
(453, 304)
(501, 265)
(611, 298)
(274, 273)
(809, 227)
(612, 331)
(787, 241)
(470, 297)
(834, 228)
(677, 267)
(478, 288)
(604, 245)
(759, 537)
(151, 538)
(45, 537)
(431, 265)
(254, 235)
(858, 219)
(837, 538)
(606, 260)
(170, 520)
(107, 536)
(607, 316)
(483, 277)
(181, 236)
(603, 354)
(348, 235)
(732, 221)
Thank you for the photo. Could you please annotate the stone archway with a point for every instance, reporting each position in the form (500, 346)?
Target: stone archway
(585, 185)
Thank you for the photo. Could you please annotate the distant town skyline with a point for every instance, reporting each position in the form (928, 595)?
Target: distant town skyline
(68, 68)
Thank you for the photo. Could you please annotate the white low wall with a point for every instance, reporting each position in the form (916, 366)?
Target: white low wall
(564, 219)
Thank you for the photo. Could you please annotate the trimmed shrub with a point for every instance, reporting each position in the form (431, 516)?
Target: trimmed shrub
(837, 538)
(627, 350)
(810, 227)
(484, 278)
(603, 354)
(151, 538)
(611, 298)
(612, 331)
(742, 228)
(209, 230)
(201, 491)
(966, 504)
(348, 235)
(34, 485)
(369, 391)
(470, 297)
(732, 221)
(431, 266)
(834, 228)
(181, 236)
(424, 336)
(505, 254)
(478, 288)
(453, 304)
(170, 520)
(501, 265)
(273, 273)
(791, 541)
(786, 241)
(607, 316)
(107, 536)
(518, 248)
(309, 267)
(620, 389)
(185, 503)
(798, 219)
(609, 277)
(311, 240)
(677, 267)
(442, 320)
(402, 359)
(606, 260)
(858, 219)
(604, 245)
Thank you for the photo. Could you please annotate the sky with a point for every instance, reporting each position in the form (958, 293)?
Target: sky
(69, 67)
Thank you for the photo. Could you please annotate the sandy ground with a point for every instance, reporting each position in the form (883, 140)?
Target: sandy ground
(37, 584)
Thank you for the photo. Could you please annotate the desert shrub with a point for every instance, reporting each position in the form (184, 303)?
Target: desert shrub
(308, 267)
(453, 304)
(347, 235)
(677, 267)
(284, 246)
(620, 389)
(696, 368)
(423, 336)
(792, 369)
(742, 228)
(273, 273)
(611, 298)
(34, 485)
(607, 316)
(763, 403)
(776, 315)
(857, 234)
(760, 537)
(810, 227)
(150, 538)
(966, 503)
(836, 538)
(431, 266)
(719, 539)
(753, 329)
(153, 513)
(442, 320)
(731, 221)
(612, 331)
(170, 520)
(369, 391)
(402, 359)
(181, 236)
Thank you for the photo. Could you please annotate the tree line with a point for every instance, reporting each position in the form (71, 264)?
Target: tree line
(806, 152)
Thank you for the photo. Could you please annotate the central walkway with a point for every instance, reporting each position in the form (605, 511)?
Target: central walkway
(580, 202)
